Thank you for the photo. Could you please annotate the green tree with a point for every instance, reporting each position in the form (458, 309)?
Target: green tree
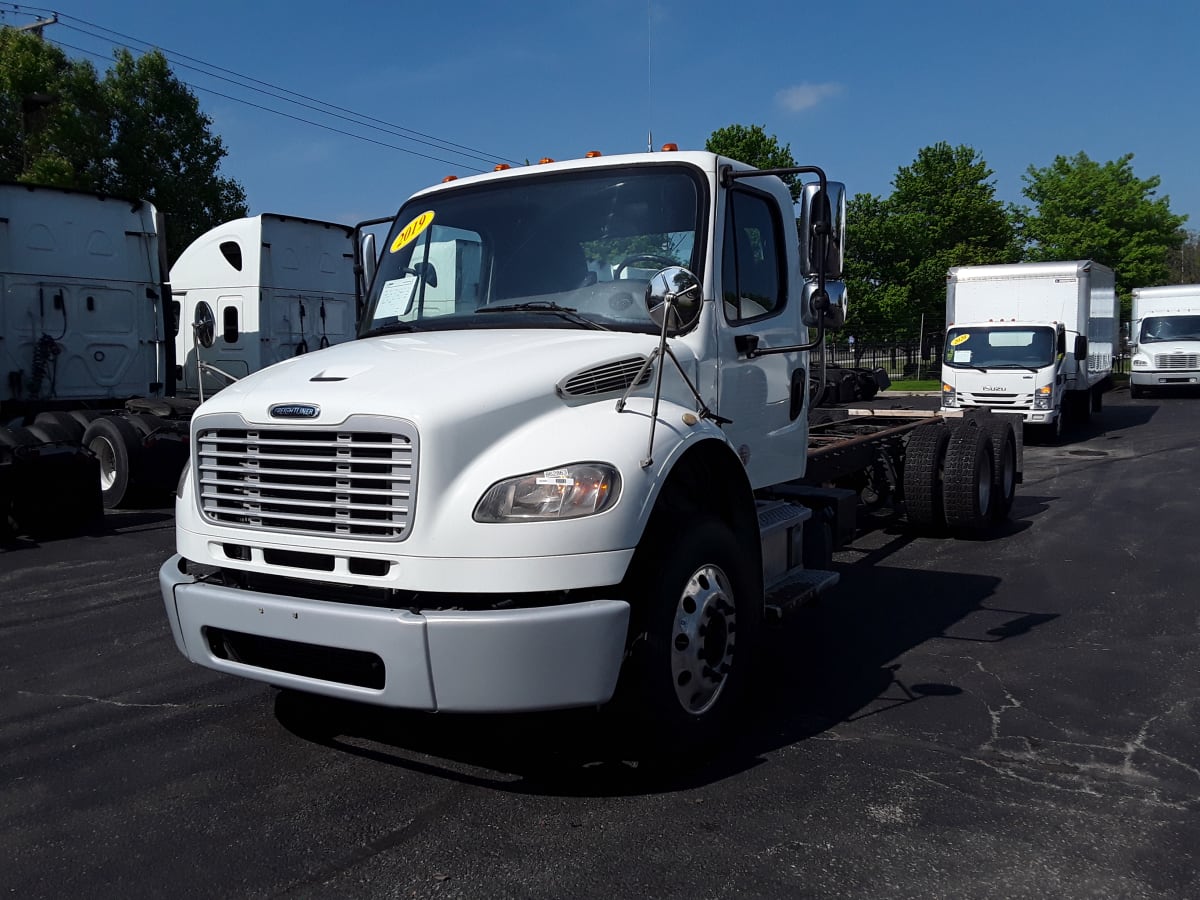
(163, 149)
(752, 145)
(137, 133)
(942, 212)
(1088, 210)
(53, 126)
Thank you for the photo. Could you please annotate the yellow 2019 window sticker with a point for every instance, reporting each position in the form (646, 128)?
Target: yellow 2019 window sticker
(409, 232)
(961, 339)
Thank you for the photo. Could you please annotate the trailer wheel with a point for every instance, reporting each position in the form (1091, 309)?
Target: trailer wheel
(968, 479)
(924, 465)
(1004, 469)
(118, 448)
(692, 634)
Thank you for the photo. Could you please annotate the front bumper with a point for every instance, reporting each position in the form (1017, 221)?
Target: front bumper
(454, 661)
(1164, 378)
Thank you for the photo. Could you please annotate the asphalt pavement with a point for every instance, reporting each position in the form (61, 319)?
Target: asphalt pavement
(1005, 717)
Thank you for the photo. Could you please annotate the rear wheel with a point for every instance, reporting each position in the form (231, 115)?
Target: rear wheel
(1004, 469)
(117, 446)
(695, 621)
(924, 467)
(968, 478)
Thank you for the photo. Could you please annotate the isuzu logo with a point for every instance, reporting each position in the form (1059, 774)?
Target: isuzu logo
(295, 411)
(994, 390)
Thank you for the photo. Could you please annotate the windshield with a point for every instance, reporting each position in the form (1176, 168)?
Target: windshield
(565, 250)
(998, 347)
(1169, 328)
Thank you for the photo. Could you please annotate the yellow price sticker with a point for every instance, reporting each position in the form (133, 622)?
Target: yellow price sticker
(410, 231)
(961, 339)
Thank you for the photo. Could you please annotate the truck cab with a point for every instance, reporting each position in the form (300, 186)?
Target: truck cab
(1165, 335)
(540, 469)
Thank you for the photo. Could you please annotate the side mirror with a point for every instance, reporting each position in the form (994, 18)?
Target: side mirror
(817, 206)
(673, 296)
(833, 309)
(1081, 347)
(204, 325)
(369, 261)
(426, 272)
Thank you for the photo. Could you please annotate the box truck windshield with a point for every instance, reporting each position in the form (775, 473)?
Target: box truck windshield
(998, 347)
(1169, 328)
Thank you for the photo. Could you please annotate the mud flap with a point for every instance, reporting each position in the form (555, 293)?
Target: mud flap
(53, 490)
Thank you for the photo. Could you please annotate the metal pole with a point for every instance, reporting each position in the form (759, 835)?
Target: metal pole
(920, 346)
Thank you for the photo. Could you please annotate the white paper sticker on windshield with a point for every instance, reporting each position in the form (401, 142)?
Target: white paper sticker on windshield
(396, 297)
(962, 356)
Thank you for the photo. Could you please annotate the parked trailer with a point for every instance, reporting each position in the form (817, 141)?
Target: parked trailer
(568, 462)
(94, 356)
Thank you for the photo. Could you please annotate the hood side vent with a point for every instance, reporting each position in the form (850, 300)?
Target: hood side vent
(609, 378)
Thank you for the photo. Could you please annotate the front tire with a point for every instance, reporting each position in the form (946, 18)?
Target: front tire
(695, 625)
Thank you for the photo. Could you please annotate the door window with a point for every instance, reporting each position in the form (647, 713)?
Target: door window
(752, 280)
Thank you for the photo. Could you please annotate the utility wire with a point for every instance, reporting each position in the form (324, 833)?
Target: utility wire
(397, 130)
(285, 115)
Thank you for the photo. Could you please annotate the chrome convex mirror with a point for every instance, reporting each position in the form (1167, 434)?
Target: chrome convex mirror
(204, 325)
(673, 297)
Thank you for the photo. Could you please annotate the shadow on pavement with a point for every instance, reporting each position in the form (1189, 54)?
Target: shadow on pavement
(824, 666)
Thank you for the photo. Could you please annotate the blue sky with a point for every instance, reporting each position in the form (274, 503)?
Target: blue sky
(855, 87)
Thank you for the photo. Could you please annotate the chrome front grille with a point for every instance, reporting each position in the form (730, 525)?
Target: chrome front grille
(347, 481)
(991, 399)
(1177, 361)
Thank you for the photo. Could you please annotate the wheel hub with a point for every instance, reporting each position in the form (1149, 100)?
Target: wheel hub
(702, 644)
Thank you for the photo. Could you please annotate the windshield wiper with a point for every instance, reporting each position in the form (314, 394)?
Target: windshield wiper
(538, 306)
(393, 328)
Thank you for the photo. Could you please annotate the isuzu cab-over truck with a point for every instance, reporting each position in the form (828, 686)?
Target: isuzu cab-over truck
(568, 458)
(1165, 337)
(1030, 338)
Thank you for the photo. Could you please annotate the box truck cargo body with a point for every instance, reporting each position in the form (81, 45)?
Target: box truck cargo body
(1033, 338)
(1165, 334)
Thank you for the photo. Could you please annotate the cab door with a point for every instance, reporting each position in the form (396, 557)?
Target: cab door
(768, 427)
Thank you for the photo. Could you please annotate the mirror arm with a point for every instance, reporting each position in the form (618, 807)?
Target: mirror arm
(663, 350)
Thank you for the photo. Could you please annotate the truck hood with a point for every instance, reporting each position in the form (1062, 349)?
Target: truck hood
(1168, 348)
(444, 376)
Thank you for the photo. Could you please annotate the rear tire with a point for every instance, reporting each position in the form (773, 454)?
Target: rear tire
(1004, 469)
(924, 466)
(968, 479)
(118, 447)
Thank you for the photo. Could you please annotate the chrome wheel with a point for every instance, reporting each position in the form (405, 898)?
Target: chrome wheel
(107, 457)
(702, 644)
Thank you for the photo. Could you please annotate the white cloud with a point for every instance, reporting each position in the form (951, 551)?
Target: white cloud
(800, 97)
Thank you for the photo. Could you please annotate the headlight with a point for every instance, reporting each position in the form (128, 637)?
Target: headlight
(949, 395)
(1042, 397)
(568, 492)
(1139, 361)
(182, 478)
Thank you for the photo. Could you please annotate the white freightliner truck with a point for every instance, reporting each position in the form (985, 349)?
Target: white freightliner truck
(93, 356)
(1031, 338)
(1165, 334)
(570, 456)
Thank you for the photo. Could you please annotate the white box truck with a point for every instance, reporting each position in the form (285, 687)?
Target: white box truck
(1031, 338)
(568, 459)
(1165, 337)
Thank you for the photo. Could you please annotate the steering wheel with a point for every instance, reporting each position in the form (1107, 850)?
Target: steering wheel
(662, 262)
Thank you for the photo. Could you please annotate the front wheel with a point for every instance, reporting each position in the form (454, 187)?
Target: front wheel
(695, 621)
